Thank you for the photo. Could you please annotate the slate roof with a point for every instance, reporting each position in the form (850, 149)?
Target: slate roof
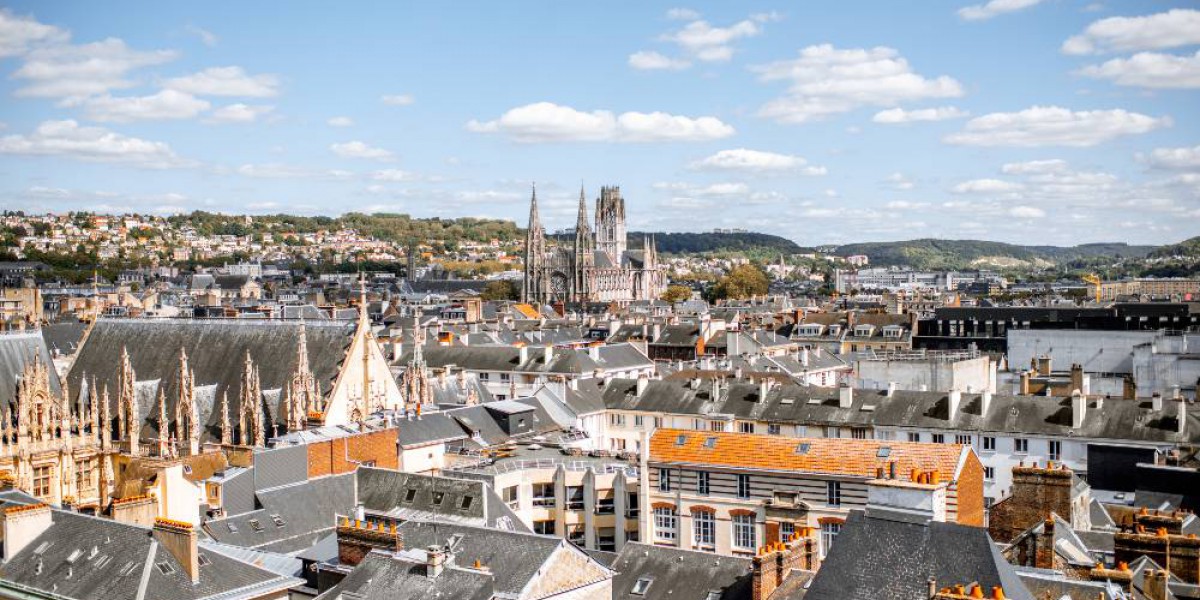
(306, 509)
(383, 576)
(106, 559)
(878, 559)
(64, 336)
(834, 456)
(18, 349)
(216, 352)
(429, 429)
(1116, 419)
(676, 573)
(508, 359)
(387, 492)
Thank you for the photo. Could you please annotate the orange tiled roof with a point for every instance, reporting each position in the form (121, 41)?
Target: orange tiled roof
(528, 310)
(834, 456)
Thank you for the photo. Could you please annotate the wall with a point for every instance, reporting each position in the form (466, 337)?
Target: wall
(1098, 351)
(973, 374)
(343, 455)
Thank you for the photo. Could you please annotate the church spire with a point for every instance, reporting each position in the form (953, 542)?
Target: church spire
(581, 224)
(533, 286)
(534, 221)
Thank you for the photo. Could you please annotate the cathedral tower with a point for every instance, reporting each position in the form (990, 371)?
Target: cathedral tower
(535, 255)
(610, 223)
(585, 253)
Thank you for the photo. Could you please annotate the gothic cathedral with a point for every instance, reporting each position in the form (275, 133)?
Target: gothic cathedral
(597, 267)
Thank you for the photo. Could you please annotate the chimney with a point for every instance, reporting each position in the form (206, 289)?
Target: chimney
(1077, 377)
(594, 352)
(1043, 365)
(1156, 403)
(435, 561)
(764, 386)
(955, 401)
(1078, 409)
(804, 356)
(548, 354)
(737, 373)
(845, 396)
(1025, 376)
(1128, 388)
(907, 501)
(523, 354)
(1154, 584)
(22, 524)
(775, 562)
(891, 389)
(1180, 414)
(179, 538)
(357, 537)
(642, 383)
(985, 402)
(1043, 557)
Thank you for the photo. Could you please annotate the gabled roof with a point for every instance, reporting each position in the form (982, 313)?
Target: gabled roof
(307, 510)
(410, 497)
(18, 349)
(382, 576)
(675, 574)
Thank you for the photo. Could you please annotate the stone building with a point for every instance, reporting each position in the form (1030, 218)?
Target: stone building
(597, 266)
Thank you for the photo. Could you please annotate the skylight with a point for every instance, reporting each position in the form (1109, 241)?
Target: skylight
(165, 567)
(710, 442)
(883, 452)
(438, 497)
(641, 585)
(254, 524)
(803, 448)
(680, 440)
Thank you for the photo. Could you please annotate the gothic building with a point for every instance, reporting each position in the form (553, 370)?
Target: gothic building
(597, 266)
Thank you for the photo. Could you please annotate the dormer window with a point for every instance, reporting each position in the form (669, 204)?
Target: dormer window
(863, 331)
(893, 331)
(835, 330)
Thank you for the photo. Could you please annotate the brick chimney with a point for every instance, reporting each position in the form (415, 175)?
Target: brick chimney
(1183, 551)
(1043, 557)
(1077, 378)
(21, 524)
(179, 538)
(435, 561)
(357, 537)
(1036, 492)
(1154, 584)
(1025, 376)
(1121, 575)
(774, 563)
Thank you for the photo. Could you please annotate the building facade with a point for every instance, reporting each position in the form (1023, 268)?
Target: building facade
(597, 266)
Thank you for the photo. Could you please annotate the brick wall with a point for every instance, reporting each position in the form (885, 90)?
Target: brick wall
(343, 455)
(1036, 492)
(969, 492)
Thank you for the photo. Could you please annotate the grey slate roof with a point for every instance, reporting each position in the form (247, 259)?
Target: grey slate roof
(387, 492)
(216, 351)
(18, 349)
(308, 511)
(382, 576)
(508, 359)
(676, 573)
(879, 559)
(64, 336)
(429, 429)
(118, 560)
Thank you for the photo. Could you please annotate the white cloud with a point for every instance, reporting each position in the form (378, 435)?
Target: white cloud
(980, 12)
(340, 122)
(285, 171)
(549, 122)
(893, 116)
(706, 43)
(357, 149)
(18, 34)
(1176, 27)
(682, 14)
(77, 71)
(93, 144)
(226, 81)
(166, 104)
(1174, 158)
(394, 175)
(986, 186)
(207, 37)
(756, 161)
(1054, 126)
(900, 181)
(652, 61)
(240, 113)
(1027, 212)
(826, 80)
(398, 99)
(1035, 167)
(1150, 70)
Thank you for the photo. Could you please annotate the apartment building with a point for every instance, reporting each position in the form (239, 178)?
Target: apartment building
(732, 493)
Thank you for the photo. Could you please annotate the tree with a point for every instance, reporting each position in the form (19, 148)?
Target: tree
(743, 281)
(677, 293)
(501, 289)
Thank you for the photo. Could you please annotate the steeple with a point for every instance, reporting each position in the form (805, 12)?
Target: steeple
(581, 224)
(585, 253)
(534, 221)
(533, 288)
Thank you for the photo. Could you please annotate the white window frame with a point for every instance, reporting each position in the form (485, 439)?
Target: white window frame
(744, 532)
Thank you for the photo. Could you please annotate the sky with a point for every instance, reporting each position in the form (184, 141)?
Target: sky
(1025, 121)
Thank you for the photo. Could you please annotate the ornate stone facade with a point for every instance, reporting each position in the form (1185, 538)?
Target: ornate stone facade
(596, 267)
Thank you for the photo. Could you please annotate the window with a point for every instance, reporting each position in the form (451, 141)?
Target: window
(639, 421)
(939, 438)
(962, 439)
(484, 376)
(833, 493)
(510, 496)
(544, 527)
(641, 585)
(409, 496)
(1021, 445)
(743, 531)
(575, 497)
(787, 529)
(989, 443)
(716, 425)
(658, 422)
(605, 504)
(666, 524)
(829, 533)
(255, 525)
(858, 433)
(697, 424)
(576, 535)
(914, 436)
(504, 377)
(165, 567)
(465, 503)
(832, 432)
(773, 428)
(438, 497)
(664, 480)
(41, 481)
(543, 494)
(83, 478)
(989, 473)
(617, 420)
(747, 427)
(743, 486)
(702, 483)
(631, 507)
(1055, 450)
(704, 529)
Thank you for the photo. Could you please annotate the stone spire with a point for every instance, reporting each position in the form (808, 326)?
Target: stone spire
(164, 444)
(250, 406)
(226, 425)
(187, 414)
(302, 391)
(128, 419)
(105, 421)
(365, 339)
(585, 254)
(533, 288)
(414, 382)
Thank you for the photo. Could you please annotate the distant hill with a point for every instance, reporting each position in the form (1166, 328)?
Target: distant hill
(965, 254)
(1188, 248)
(696, 243)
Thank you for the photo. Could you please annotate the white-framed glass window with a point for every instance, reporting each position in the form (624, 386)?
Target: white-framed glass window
(716, 425)
(787, 529)
(773, 428)
(1020, 445)
(664, 480)
(962, 439)
(833, 493)
(989, 473)
(638, 421)
(829, 533)
(1055, 448)
(989, 443)
(666, 524)
(743, 531)
(939, 438)
(658, 422)
(704, 529)
(697, 424)
(702, 483)
(743, 486)
(747, 427)
(914, 436)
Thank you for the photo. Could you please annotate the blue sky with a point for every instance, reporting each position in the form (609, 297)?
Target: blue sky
(1051, 121)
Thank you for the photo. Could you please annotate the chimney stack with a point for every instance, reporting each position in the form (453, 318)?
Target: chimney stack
(642, 383)
(179, 538)
(845, 396)
(955, 401)
(1180, 414)
(985, 402)
(523, 354)
(22, 524)
(804, 356)
(1078, 409)
(435, 561)
(1025, 376)
(764, 386)
(891, 389)
(1156, 402)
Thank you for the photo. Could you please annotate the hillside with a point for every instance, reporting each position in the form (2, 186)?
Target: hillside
(964, 254)
(697, 243)
(1187, 248)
